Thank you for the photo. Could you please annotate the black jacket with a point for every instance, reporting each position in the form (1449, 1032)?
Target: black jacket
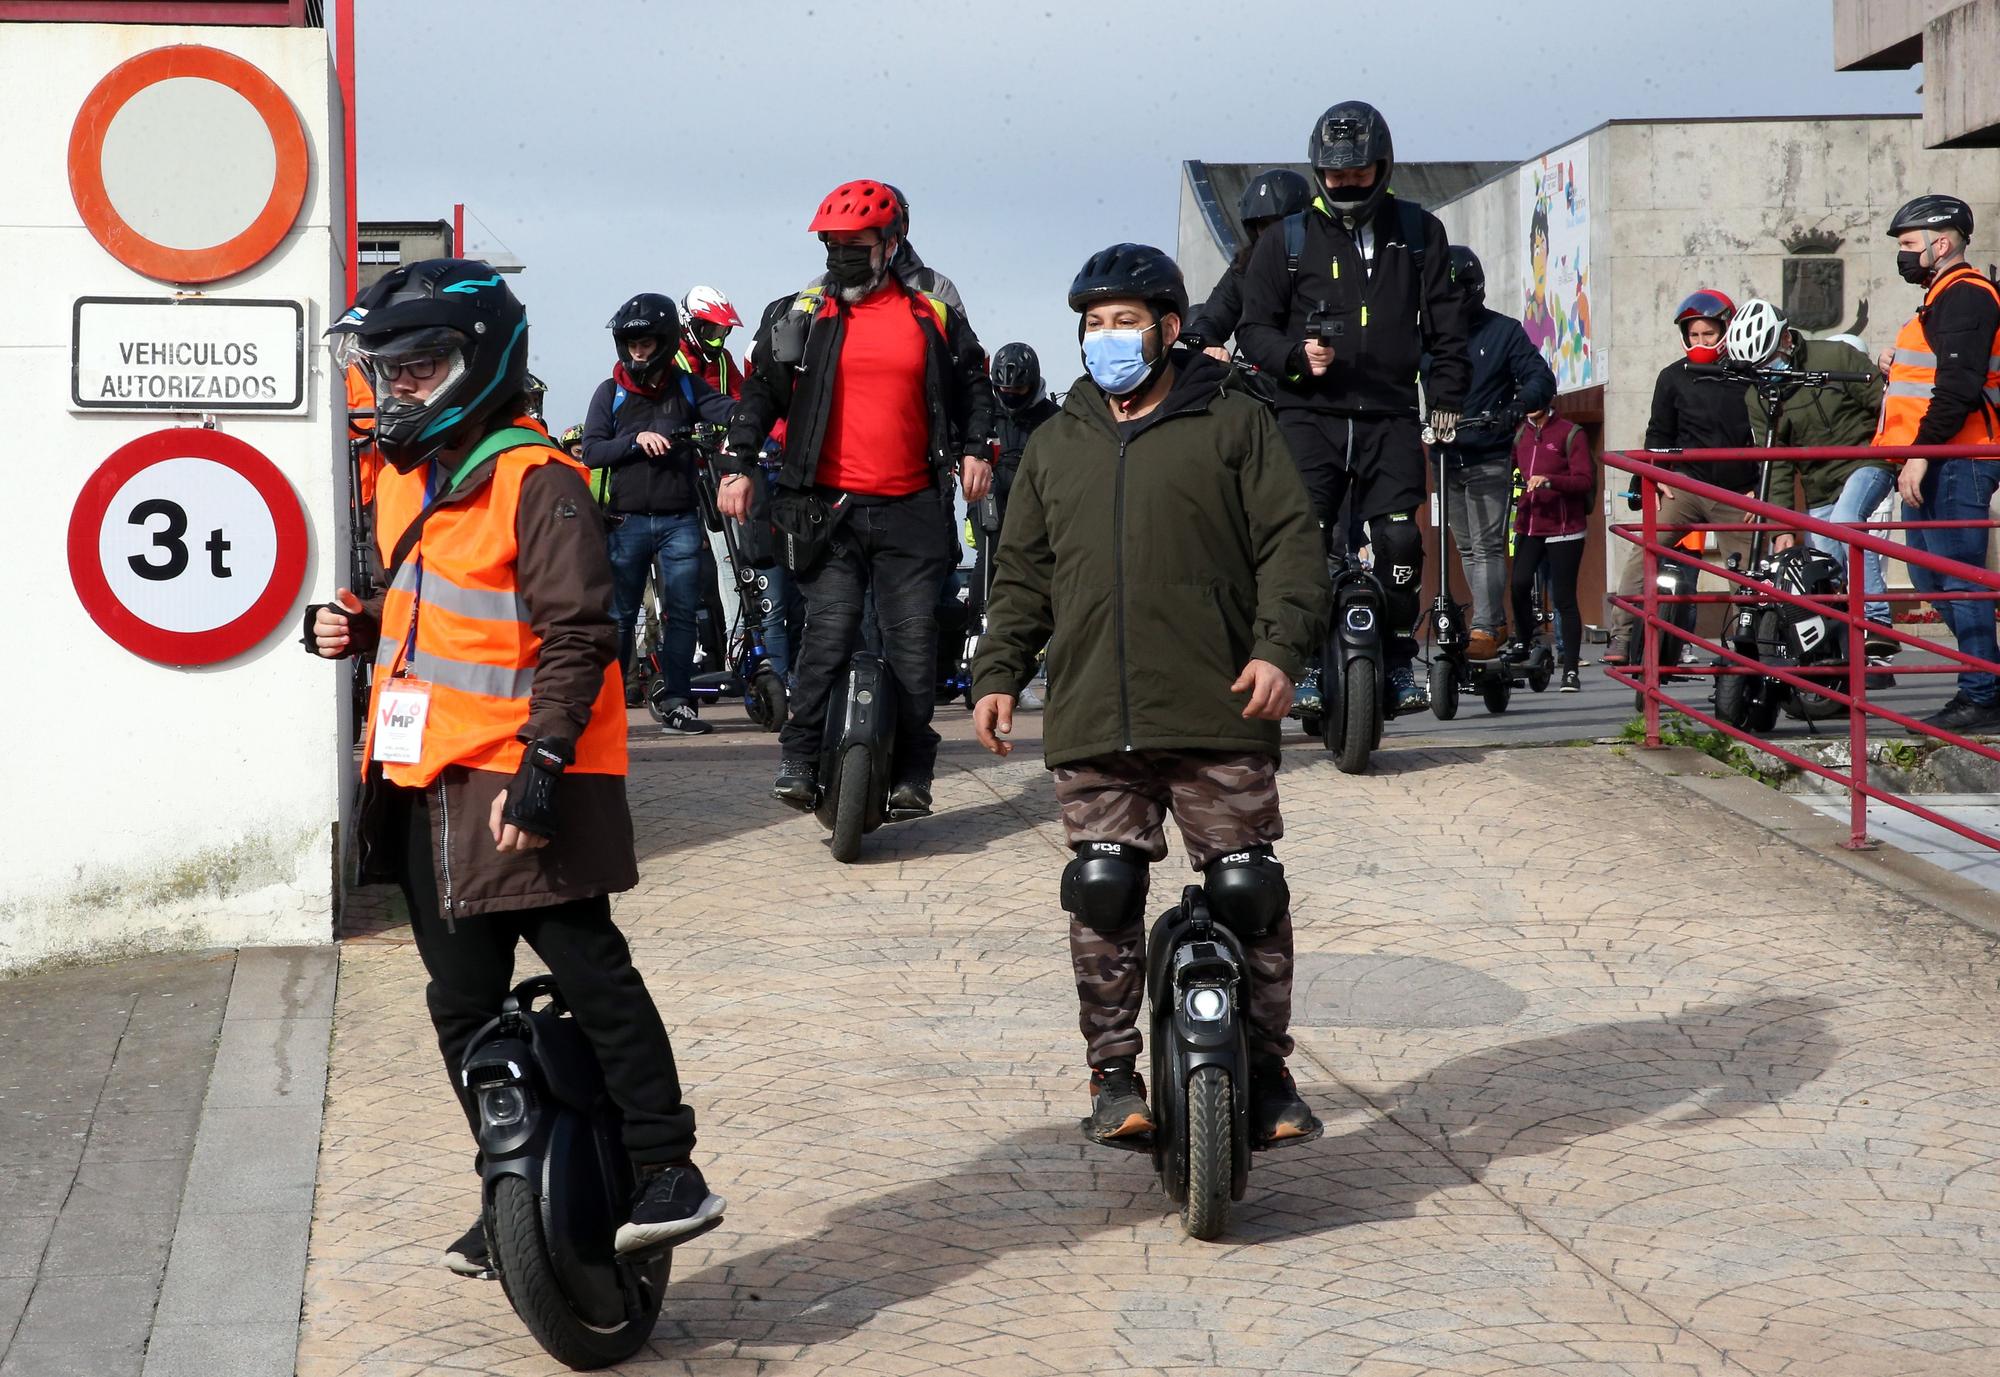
(639, 482)
(1703, 411)
(1509, 375)
(956, 388)
(1394, 315)
(1012, 429)
(1960, 325)
(1215, 321)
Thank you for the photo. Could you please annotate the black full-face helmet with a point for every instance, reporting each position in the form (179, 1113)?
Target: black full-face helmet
(1349, 135)
(1017, 375)
(447, 318)
(649, 315)
(1468, 274)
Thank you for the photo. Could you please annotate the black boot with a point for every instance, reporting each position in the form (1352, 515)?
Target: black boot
(1278, 1117)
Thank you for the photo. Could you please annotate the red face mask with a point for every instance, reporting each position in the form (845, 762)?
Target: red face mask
(1704, 353)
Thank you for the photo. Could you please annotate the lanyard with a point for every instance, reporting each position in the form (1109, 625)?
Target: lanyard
(432, 496)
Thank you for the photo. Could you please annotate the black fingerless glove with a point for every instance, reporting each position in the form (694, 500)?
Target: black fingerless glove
(363, 631)
(531, 796)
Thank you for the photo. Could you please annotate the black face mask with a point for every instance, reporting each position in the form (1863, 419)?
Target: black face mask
(1348, 195)
(1910, 267)
(850, 265)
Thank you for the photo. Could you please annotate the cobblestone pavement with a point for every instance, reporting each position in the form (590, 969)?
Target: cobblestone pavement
(1611, 1086)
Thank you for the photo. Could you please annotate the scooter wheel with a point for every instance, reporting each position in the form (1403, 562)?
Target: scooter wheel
(772, 702)
(1444, 690)
(1538, 680)
(521, 1255)
(1211, 1138)
(1361, 710)
(850, 809)
(1312, 724)
(1498, 692)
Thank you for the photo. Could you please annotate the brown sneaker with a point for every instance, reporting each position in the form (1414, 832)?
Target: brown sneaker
(1482, 645)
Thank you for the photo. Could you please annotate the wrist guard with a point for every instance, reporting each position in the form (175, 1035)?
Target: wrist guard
(531, 795)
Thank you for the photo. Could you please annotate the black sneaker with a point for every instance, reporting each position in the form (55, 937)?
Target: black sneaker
(1878, 677)
(1515, 652)
(1118, 1107)
(1962, 716)
(797, 782)
(672, 1205)
(1571, 682)
(679, 719)
(1878, 645)
(911, 796)
(467, 1257)
(1278, 1117)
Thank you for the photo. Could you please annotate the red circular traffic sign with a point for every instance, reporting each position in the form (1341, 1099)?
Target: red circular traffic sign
(202, 262)
(187, 546)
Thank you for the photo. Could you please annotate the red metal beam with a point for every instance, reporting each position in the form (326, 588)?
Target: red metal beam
(458, 230)
(260, 13)
(344, 61)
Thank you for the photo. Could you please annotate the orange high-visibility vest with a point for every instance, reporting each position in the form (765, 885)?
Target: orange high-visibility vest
(1913, 375)
(361, 399)
(473, 643)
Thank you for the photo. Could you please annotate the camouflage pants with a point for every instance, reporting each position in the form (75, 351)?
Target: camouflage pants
(1222, 802)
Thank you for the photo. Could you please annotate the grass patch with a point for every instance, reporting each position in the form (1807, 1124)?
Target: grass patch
(1724, 750)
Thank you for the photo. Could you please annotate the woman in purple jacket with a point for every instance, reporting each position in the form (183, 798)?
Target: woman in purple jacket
(1556, 478)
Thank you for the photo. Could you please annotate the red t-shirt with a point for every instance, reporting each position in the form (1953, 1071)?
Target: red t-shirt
(878, 427)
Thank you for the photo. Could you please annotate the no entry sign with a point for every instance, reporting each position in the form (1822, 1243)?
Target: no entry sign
(187, 546)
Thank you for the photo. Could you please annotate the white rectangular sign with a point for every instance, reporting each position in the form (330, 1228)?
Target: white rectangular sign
(187, 354)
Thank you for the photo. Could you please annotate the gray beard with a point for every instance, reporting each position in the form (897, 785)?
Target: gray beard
(851, 295)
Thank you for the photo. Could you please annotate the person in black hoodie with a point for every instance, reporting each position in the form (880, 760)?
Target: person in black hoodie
(630, 430)
(1693, 410)
(1340, 305)
(1510, 379)
(1271, 196)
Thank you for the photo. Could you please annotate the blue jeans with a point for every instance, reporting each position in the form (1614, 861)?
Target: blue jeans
(1859, 497)
(672, 543)
(1959, 490)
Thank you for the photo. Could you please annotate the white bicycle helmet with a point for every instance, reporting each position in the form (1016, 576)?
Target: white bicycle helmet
(1755, 333)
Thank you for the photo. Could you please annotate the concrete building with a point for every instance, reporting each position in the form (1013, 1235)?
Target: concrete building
(386, 244)
(1956, 44)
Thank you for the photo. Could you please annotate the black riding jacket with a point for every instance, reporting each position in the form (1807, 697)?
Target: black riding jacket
(1703, 411)
(1393, 313)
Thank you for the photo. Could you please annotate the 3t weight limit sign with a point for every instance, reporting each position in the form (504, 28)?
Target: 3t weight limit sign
(187, 547)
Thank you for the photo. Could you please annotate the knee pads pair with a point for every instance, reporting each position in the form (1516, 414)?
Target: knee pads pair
(1399, 548)
(1104, 888)
(1247, 892)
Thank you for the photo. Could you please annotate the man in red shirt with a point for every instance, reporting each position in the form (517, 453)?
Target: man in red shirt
(883, 391)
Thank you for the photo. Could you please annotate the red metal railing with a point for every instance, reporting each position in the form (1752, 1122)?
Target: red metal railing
(1844, 683)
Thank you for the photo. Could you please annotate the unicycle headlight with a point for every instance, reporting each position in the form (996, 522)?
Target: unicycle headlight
(1360, 619)
(1207, 1004)
(503, 1105)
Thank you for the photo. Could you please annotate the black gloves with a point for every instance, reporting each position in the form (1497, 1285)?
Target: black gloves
(531, 796)
(363, 631)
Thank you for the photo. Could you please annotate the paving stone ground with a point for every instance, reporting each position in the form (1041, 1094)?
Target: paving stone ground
(1613, 1084)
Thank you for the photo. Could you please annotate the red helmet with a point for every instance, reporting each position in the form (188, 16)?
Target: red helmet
(858, 206)
(706, 303)
(1704, 304)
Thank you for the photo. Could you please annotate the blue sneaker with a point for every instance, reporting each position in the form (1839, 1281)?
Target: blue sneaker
(1406, 695)
(1306, 696)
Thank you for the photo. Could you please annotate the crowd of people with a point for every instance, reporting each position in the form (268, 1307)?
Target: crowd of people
(1162, 554)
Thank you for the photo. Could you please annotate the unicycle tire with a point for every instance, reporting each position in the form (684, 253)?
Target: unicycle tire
(1361, 709)
(521, 1256)
(850, 809)
(1211, 1139)
(1444, 690)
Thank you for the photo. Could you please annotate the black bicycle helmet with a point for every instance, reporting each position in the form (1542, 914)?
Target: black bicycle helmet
(1128, 271)
(1354, 134)
(1273, 195)
(1017, 370)
(649, 315)
(1932, 212)
(457, 315)
(1468, 273)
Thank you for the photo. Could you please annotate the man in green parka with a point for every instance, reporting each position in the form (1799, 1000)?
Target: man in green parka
(1159, 541)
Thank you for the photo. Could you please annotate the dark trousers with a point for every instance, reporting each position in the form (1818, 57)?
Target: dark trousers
(901, 549)
(1564, 560)
(471, 966)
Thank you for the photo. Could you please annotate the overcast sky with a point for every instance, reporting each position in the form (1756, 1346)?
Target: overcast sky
(619, 146)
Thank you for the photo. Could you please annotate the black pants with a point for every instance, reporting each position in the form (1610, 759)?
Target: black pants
(901, 549)
(472, 967)
(1369, 469)
(1563, 559)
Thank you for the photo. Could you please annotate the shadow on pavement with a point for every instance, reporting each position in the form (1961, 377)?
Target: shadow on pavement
(1043, 1186)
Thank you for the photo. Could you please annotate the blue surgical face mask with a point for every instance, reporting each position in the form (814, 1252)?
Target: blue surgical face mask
(1116, 359)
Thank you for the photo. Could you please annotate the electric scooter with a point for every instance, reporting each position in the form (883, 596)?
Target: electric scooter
(557, 1184)
(1452, 668)
(1196, 985)
(750, 674)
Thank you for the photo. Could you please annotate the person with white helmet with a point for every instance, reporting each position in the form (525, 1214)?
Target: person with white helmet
(706, 320)
(1845, 490)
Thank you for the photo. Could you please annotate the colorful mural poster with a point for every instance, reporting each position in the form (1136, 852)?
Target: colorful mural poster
(1555, 211)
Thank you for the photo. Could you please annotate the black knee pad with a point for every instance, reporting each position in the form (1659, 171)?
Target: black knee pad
(1247, 892)
(1105, 886)
(1399, 549)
